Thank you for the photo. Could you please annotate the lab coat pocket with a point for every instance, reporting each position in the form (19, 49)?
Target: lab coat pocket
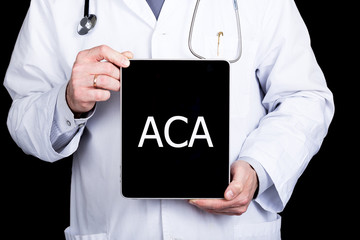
(99, 236)
(258, 231)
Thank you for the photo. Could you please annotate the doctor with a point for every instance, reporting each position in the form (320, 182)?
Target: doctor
(66, 101)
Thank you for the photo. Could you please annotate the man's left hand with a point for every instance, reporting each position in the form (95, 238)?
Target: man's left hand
(238, 194)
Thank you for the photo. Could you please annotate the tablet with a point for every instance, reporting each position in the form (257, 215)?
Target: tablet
(175, 129)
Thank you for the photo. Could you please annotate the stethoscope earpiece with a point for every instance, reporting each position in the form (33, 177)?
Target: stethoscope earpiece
(86, 24)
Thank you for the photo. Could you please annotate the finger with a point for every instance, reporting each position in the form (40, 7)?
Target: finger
(106, 82)
(88, 70)
(96, 95)
(102, 52)
(229, 211)
(128, 54)
(105, 52)
(104, 68)
(225, 208)
(85, 99)
(211, 204)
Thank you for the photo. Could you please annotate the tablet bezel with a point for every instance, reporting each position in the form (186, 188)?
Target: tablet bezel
(121, 126)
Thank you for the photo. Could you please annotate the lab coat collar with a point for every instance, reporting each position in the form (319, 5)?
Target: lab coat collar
(143, 10)
(167, 9)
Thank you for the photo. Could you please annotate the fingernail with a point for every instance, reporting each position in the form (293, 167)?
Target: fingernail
(126, 62)
(193, 202)
(229, 195)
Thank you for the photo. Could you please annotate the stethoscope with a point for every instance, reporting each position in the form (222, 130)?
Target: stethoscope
(88, 23)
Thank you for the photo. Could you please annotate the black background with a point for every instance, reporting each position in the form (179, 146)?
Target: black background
(36, 195)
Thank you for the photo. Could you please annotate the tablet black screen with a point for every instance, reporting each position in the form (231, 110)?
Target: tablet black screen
(175, 128)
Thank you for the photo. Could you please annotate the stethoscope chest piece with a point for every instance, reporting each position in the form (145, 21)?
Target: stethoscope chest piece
(86, 24)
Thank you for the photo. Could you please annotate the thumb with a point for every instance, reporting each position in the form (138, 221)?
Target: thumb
(233, 190)
(236, 185)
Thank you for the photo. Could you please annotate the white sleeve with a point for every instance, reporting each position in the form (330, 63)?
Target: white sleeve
(264, 180)
(299, 104)
(65, 127)
(36, 81)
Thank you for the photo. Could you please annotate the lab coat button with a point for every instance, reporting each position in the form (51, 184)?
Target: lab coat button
(68, 123)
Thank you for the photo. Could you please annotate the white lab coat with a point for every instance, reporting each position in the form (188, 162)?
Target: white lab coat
(280, 108)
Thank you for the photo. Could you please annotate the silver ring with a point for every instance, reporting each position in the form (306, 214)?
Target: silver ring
(94, 81)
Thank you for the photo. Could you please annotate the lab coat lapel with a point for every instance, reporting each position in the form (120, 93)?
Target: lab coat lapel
(168, 8)
(142, 10)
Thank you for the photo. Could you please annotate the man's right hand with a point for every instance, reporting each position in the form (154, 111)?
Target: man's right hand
(101, 63)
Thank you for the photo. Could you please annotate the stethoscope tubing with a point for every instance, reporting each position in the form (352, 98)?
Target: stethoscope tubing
(88, 22)
(238, 26)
